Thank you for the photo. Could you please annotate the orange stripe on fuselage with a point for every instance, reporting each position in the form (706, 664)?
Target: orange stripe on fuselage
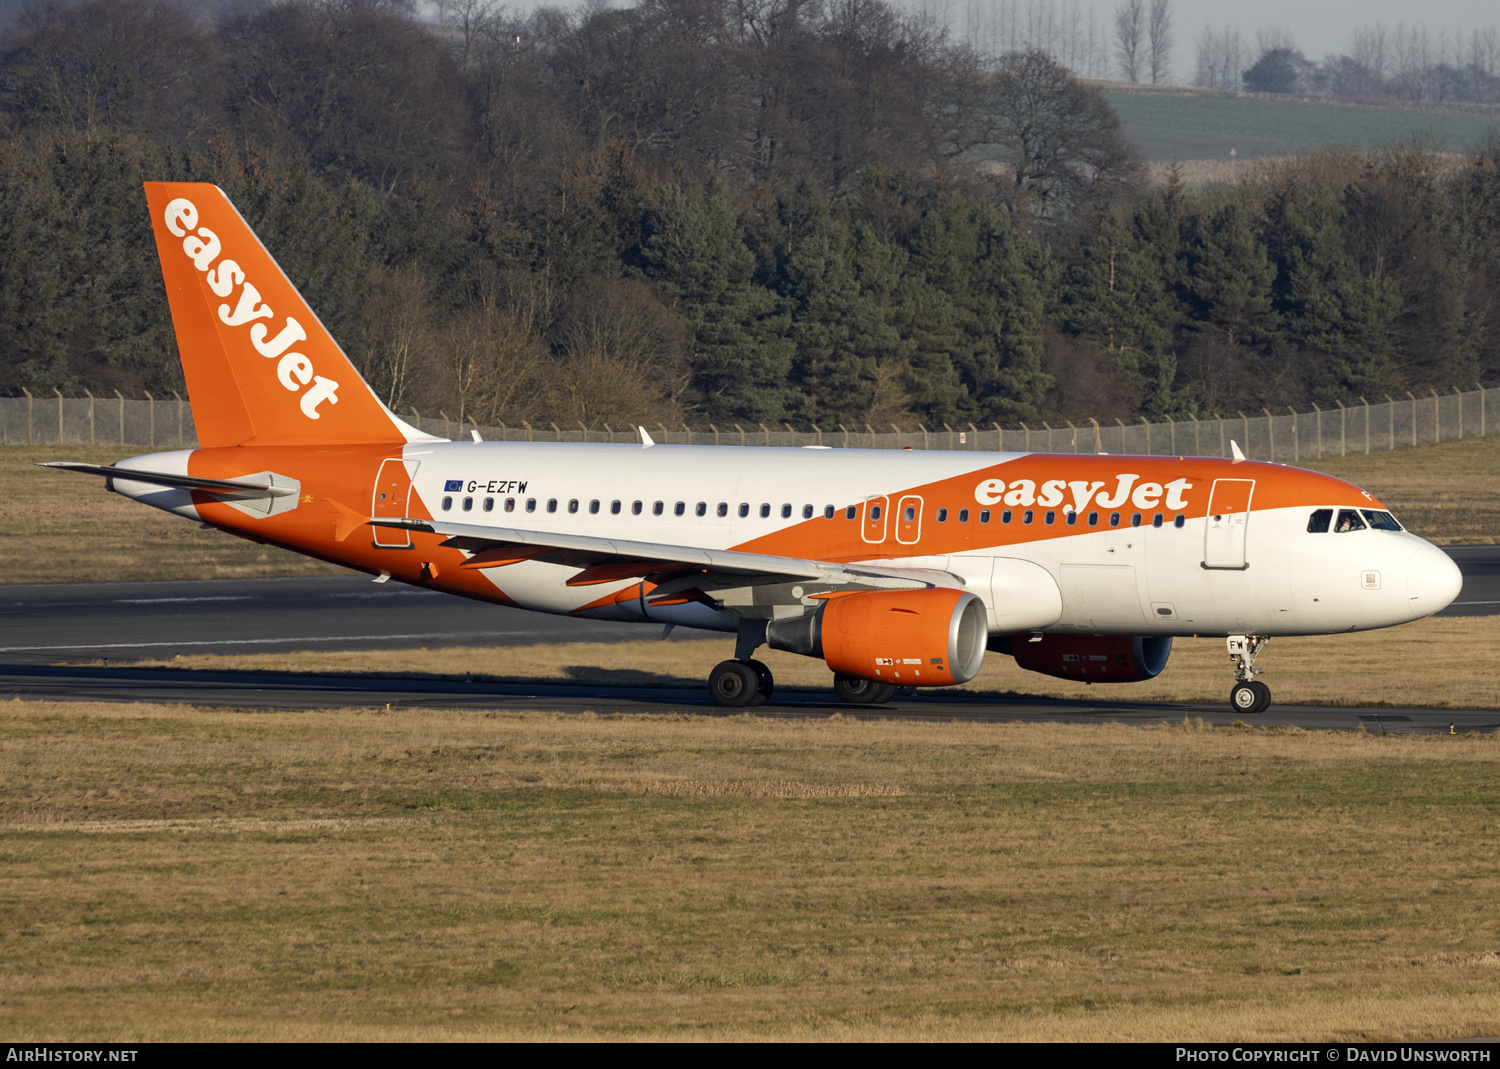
(839, 539)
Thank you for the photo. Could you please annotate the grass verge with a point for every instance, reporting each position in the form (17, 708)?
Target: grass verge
(1432, 663)
(176, 874)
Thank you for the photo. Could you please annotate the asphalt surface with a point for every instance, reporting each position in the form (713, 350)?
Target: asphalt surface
(253, 690)
(49, 634)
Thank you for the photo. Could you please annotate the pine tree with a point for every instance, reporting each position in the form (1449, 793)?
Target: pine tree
(695, 258)
(1227, 278)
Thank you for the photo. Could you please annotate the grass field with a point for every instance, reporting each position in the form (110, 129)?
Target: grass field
(1456, 669)
(1187, 125)
(176, 874)
(60, 527)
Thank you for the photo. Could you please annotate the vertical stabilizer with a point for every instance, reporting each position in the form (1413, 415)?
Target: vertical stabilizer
(260, 367)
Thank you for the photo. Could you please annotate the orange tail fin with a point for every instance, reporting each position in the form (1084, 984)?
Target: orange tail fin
(261, 369)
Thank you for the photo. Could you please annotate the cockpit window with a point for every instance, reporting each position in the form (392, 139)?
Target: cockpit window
(1318, 522)
(1381, 521)
(1349, 521)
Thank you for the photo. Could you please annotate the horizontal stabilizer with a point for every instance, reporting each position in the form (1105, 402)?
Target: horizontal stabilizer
(180, 482)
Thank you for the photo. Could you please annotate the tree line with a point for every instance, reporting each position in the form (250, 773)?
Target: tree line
(711, 211)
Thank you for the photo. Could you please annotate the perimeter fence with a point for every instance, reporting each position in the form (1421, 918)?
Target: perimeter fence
(1343, 430)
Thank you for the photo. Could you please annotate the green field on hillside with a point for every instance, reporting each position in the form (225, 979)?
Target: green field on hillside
(1176, 125)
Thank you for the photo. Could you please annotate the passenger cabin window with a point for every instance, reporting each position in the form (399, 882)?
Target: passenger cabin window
(723, 509)
(510, 504)
(1027, 516)
(447, 503)
(1156, 520)
(658, 508)
(489, 504)
(531, 504)
(680, 508)
(572, 505)
(828, 512)
(594, 507)
(807, 512)
(942, 515)
(1180, 521)
(744, 509)
(963, 515)
(552, 504)
(786, 512)
(1349, 520)
(1005, 516)
(765, 510)
(908, 514)
(1114, 519)
(468, 504)
(701, 509)
(1320, 521)
(635, 508)
(1381, 521)
(1135, 519)
(984, 515)
(874, 512)
(1072, 518)
(1050, 518)
(851, 512)
(614, 508)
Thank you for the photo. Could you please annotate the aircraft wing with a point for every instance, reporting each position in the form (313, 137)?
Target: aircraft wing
(181, 482)
(611, 559)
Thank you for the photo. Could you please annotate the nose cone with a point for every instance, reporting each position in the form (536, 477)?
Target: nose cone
(1432, 581)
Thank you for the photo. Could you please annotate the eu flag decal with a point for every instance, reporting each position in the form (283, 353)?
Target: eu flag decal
(453, 484)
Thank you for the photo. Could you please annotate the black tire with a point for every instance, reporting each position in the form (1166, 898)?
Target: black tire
(1244, 698)
(852, 690)
(887, 692)
(733, 684)
(1263, 694)
(766, 683)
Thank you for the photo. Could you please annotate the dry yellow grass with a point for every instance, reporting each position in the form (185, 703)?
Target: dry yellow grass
(1432, 663)
(175, 874)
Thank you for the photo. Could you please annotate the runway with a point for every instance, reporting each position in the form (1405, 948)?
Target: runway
(50, 632)
(273, 690)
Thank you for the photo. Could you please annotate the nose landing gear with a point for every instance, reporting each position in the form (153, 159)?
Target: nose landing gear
(1249, 694)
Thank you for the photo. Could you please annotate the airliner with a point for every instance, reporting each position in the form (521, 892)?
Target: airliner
(898, 569)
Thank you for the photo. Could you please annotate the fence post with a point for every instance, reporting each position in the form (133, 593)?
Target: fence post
(1437, 416)
(1343, 428)
(819, 432)
(950, 434)
(975, 431)
(1459, 394)
(1270, 434)
(59, 414)
(1072, 434)
(90, 396)
(1049, 435)
(1027, 429)
(999, 438)
(1147, 422)
(1481, 408)
(1121, 424)
(30, 401)
(181, 438)
(1413, 418)
(766, 431)
(1197, 449)
(151, 420)
(1220, 420)
(716, 433)
(1098, 441)
(121, 396)
(1319, 411)
(1296, 446)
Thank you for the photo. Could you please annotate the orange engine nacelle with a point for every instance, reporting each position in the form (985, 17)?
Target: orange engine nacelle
(1090, 658)
(912, 638)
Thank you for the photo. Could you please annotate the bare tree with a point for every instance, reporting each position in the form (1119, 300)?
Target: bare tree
(1130, 34)
(1159, 41)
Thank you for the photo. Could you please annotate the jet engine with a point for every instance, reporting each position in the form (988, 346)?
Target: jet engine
(1090, 658)
(909, 638)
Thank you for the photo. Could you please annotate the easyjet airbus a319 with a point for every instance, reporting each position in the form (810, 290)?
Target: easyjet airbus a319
(897, 569)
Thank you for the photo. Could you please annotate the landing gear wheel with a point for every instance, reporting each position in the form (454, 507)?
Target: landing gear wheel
(1251, 697)
(852, 690)
(733, 684)
(765, 683)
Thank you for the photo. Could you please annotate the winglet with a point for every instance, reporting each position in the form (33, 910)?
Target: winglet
(645, 438)
(1234, 448)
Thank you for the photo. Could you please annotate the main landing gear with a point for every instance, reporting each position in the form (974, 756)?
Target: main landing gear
(740, 684)
(1249, 695)
(854, 691)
